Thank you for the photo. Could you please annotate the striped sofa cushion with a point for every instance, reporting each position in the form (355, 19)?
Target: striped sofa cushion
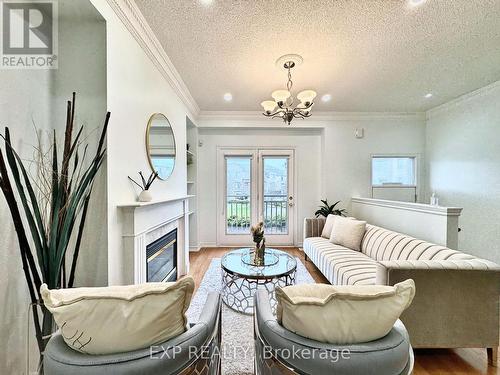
(340, 265)
(384, 245)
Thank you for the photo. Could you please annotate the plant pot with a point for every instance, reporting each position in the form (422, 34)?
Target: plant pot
(145, 196)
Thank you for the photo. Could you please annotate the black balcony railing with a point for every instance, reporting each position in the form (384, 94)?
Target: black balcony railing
(275, 214)
(238, 214)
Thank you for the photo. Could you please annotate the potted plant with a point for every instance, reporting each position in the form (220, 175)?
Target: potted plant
(49, 215)
(326, 209)
(145, 195)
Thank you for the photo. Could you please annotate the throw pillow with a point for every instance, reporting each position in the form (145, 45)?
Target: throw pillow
(327, 228)
(119, 319)
(342, 314)
(348, 232)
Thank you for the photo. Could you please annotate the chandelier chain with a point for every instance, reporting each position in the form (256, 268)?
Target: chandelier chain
(289, 84)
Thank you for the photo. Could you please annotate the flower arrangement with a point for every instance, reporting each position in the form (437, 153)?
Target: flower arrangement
(145, 195)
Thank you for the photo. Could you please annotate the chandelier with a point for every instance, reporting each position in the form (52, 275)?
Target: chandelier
(283, 104)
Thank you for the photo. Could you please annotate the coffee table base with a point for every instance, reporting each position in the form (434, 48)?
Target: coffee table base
(238, 291)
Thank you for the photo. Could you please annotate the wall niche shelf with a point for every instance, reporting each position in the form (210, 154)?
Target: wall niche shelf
(192, 178)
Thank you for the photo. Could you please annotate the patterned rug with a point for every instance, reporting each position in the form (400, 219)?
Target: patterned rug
(237, 329)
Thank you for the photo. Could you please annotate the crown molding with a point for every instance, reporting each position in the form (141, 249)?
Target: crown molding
(128, 12)
(318, 119)
(462, 99)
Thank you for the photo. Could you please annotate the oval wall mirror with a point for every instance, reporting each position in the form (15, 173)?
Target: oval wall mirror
(160, 145)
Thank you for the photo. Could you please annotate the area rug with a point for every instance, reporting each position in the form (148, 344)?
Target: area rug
(237, 329)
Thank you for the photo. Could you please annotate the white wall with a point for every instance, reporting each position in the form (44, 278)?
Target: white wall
(80, 24)
(136, 90)
(463, 157)
(24, 97)
(38, 98)
(348, 168)
(307, 144)
(344, 161)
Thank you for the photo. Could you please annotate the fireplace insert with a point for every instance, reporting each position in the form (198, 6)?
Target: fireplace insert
(161, 257)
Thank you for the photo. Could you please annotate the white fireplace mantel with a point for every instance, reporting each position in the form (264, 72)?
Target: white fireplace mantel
(136, 204)
(139, 221)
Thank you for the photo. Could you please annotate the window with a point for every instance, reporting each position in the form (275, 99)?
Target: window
(394, 171)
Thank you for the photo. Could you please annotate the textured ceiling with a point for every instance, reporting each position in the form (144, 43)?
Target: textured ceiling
(370, 55)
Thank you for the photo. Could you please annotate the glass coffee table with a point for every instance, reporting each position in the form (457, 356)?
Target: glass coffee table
(240, 278)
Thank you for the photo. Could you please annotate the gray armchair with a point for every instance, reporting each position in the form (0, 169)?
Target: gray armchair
(174, 356)
(279, 351)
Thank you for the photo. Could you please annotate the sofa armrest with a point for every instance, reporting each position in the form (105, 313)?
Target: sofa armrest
(386, 267)
(313, 226)
(456, 303)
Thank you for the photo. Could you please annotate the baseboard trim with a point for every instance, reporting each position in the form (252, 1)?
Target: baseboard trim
(213, 245)
(207, 244)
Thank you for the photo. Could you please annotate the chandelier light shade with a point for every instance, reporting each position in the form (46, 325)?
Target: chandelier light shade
(283, 104)
(306, 97)
(281, 96)
(268, 105)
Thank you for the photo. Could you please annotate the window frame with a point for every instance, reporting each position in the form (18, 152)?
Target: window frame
(395, 156)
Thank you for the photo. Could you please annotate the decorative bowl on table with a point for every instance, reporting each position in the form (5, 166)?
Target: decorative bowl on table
(269, 259)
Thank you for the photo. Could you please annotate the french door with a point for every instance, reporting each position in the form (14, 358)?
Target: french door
(255, 185)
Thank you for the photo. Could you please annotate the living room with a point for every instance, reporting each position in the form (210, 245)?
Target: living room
(359, 133)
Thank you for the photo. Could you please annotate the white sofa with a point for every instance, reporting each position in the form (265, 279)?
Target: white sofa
(457, 294)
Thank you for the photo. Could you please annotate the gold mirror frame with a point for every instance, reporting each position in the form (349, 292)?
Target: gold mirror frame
(148, 153)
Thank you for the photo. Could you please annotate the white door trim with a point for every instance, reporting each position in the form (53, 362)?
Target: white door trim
(275, 239)
(224, 239)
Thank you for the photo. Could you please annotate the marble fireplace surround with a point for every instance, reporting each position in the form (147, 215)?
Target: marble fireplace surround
(142, 223)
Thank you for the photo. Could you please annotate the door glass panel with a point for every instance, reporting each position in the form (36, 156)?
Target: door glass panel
(238, 192)
(275, 203)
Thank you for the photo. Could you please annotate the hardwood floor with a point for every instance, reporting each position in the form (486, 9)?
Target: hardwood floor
(428, 361)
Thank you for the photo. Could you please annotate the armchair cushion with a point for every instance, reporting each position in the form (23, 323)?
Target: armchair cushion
(342, 314)
(170, 357)
(390, 355)
(120, 318)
